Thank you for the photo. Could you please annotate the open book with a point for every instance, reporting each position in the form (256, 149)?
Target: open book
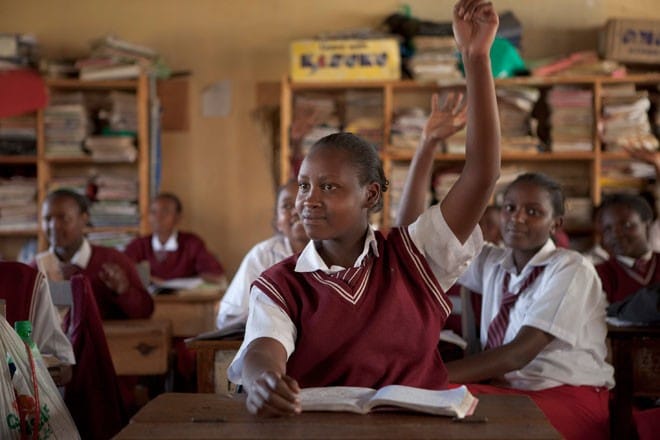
(457, 402)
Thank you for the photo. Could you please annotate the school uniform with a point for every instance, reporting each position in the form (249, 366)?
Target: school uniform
(557, 292)
(234, 304)
(183, 255)
(134, 303)
(27, 298)
(622, 276)
(373, 324)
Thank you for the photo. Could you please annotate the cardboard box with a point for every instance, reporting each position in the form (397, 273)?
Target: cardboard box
(345, 60)
(631, 40)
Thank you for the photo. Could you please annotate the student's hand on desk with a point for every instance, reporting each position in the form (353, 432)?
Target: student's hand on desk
(446, 120)
(272, 394)
(475, 25)
(114, 277)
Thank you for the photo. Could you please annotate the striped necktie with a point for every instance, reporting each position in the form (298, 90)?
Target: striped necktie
(498, 326)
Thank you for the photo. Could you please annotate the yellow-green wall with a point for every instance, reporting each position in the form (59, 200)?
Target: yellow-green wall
(221, 167)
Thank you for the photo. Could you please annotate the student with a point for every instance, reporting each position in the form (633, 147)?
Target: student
(325, 317)
(490, 225)
(27, 298)
(290, 239)
(117, 287)
(624, 221)
(172, 253)
(548, 341)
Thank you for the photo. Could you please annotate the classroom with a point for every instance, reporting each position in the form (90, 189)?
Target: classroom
(159, 158)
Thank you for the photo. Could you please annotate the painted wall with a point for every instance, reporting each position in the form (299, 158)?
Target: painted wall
(221, 167)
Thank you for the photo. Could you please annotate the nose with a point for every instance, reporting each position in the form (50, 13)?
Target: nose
(518, 215)
(311, 197)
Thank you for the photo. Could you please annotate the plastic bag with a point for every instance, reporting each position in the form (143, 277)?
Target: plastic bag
(50, 415)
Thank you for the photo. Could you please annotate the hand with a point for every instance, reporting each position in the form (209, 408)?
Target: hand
(68, 270)
(475, 25)
(114, 277)
(272, 394)
(444, 121)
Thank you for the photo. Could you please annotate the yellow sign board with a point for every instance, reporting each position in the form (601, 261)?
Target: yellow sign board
(345, 60)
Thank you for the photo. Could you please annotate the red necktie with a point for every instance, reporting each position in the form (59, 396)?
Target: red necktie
(498, 326)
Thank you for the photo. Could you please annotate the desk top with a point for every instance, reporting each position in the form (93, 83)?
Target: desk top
(201, 294)
(205, 416)
(614, 330)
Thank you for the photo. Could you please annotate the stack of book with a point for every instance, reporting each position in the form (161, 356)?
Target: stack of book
(115, 200)
(571, 119)
(117, 240)
(113, 58)
(18, 135)
(119, 113)
(316, 115)
(17, 51)
(75, 182)
(18, 205)
(111, 148)
(407, 126)
(66, 125)
(434, 59)
(517, 125)
(626, 118)
(363, 115)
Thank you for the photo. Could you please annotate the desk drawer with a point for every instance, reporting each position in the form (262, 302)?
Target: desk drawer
(188, 318)
(139, 347)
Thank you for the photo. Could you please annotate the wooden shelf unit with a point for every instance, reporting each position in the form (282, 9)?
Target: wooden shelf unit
(390, 89)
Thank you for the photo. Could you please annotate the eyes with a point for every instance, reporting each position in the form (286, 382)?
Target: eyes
(531, 211)
(326, 187)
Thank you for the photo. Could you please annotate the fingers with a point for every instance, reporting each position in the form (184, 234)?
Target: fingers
(474, 10)
(453, 103)
(434, 103)
(272, 395)
(291, 383)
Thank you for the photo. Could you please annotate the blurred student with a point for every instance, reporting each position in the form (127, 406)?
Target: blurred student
(118, 290)
(290, 239)
(172, 253)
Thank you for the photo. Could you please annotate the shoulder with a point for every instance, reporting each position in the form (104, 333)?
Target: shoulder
(562, 258)
(108, 253)
(189, 237)
(17, 270)
(139, 243)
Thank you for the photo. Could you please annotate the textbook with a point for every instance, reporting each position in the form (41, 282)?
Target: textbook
(457, 402)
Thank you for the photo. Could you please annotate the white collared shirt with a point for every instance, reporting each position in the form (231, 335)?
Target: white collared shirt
(566, 301)
(630, 262)
(49, 264)
(171, 245)
(445, 254)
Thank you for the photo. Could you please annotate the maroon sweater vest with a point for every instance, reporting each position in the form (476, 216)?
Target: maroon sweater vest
(371, 326)
(17, 284)
(618, 283)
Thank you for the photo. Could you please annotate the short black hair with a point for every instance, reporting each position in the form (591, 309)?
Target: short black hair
(67, 193)
(362, 155)
(632, 201)
(178, 206)
(541, 180)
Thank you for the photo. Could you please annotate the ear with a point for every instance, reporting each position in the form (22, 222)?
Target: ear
(557, 222)
(373, 194)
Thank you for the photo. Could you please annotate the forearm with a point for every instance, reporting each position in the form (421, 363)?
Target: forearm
(414, 191)
(135, 302)
(263, 355)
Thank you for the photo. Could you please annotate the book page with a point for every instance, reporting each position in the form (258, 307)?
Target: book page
(350, 399)
(455, 402)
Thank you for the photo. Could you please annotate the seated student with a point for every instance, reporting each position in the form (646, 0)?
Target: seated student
(325, 317)
(117, 287)
(290, 239)
(542, 318)
(624, 221)
(27, 298)
(172, 253)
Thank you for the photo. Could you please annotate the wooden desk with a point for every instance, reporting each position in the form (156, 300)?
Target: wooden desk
(636, 361)
(139, 346)
(207, 353)
(171, 415)
(191, 312)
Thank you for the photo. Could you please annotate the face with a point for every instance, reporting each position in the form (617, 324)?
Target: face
(331, 201)
(623, 232)
(163, 217)
(288, 221)
(490, 225)
(63, 222)
(527, 217)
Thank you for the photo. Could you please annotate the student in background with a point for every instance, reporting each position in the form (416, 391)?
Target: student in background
(172, 253)
(290, 239)
(117, 287)
(543, 316)
(624, 221)
(324, 317)
(27, 298)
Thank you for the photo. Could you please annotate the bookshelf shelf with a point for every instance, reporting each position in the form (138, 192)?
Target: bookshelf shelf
(84, 161)
(76, 84)
(28, 232)
(18, 160)
(397, 94)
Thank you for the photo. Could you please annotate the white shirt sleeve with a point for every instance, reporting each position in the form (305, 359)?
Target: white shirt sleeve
(234, 304)
(47, 331)
(446, 255)
(265, 320)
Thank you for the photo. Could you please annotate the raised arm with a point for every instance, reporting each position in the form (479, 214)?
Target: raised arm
(475, 24)
(442, 123)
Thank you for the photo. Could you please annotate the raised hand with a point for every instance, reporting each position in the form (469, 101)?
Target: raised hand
(444, 120)
(114, 277)
(475, 25)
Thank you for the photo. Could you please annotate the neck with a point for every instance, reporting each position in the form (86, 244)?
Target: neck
(164, 236)
(522, 257)
(298, 245)
(338, 253)
(66, 253)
